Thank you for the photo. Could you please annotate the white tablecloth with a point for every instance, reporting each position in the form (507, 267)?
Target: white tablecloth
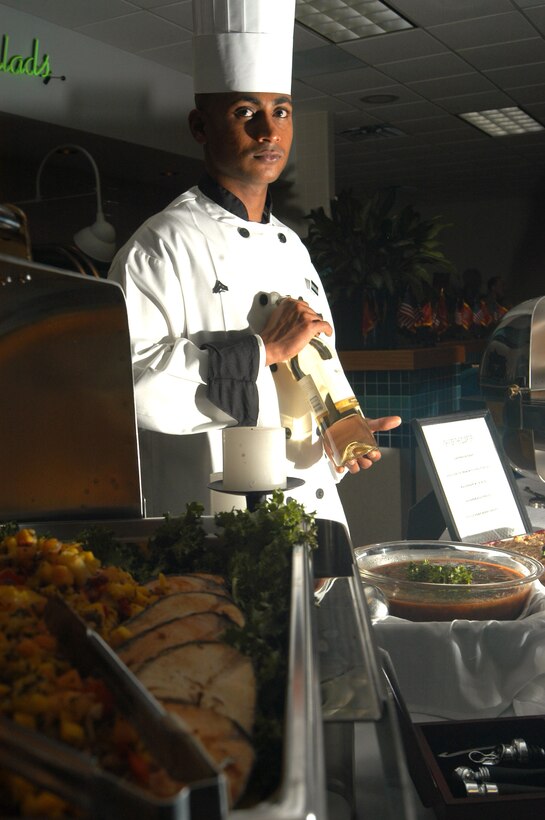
(459, 670)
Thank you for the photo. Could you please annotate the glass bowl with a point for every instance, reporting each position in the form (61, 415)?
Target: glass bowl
(500, 586)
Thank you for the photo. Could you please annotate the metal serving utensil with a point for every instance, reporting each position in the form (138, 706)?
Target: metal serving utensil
(164, 734)
(77, 778)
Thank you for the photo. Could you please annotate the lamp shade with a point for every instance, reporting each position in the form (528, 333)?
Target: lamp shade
(97, 240)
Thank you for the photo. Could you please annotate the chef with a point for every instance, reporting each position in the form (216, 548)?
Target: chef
(209, 341)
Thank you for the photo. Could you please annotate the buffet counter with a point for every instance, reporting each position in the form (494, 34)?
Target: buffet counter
(415, 358)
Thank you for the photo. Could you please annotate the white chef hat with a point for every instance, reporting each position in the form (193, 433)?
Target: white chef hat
(242, 45)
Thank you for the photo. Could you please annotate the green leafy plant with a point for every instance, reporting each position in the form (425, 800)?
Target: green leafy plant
(366, 246)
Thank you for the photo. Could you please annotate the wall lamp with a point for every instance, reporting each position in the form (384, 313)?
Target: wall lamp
(97, 240)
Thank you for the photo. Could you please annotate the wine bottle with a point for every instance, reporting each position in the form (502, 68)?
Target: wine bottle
(341, 423)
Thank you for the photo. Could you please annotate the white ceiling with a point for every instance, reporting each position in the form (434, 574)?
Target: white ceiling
(462, 55)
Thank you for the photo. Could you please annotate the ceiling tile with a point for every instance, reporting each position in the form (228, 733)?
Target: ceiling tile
(529, 94)
(72, 13)
(179, 13)
(400, 45)
(344, 81)
(135, 32)
(517, 76)
(499, 28)
(452, 86)
(536, 110)
(319, 60)
(352, 119)
(403, 94)
(475, 102)
(422, 68)
(431, 124)
(507, 54)
(178, 56)
(148, 4)
(304, 91)
(537, 17)
(410, 111)
(304, 38)
(461, 142)
(393, 112)
(435, 12)
(325, 103)
(526, 4)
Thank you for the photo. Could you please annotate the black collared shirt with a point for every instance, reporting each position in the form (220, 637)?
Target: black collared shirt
(225, 199)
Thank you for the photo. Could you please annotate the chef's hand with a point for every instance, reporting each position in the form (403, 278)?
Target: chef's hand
(364, 462)
(290, 327)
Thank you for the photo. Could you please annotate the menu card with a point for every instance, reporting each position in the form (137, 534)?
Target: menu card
(472, 479)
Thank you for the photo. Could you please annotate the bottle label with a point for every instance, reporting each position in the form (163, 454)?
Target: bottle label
(337, 383)
(313, 396)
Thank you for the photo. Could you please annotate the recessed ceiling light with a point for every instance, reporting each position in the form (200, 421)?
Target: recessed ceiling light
(365, 132)
(503, 122)
(379, 99)
(344, 20)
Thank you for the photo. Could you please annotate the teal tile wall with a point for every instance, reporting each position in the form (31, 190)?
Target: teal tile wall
(409, 394)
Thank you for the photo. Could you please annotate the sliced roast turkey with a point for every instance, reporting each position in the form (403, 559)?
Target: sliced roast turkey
(192, 582)
(224, 741)
(180, 604)
(209, 674)
(198, 626)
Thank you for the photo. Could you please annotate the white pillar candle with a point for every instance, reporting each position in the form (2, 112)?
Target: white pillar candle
(254, 459)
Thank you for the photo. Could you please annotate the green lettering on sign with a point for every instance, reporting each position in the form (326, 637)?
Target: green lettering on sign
(32, 66)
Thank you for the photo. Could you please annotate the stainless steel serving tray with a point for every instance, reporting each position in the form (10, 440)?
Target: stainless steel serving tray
(302, 792)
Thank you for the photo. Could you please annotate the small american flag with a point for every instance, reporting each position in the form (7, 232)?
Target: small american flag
(407, 313)
(483, 316)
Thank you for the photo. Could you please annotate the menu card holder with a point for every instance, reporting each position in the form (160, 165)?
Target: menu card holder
(472, 479)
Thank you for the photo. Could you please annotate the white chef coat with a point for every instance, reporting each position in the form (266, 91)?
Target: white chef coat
(170, 270)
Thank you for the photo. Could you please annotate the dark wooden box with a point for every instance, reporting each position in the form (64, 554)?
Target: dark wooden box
(432, 774)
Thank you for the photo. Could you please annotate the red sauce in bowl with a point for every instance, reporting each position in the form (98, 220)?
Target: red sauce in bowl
(421, 601)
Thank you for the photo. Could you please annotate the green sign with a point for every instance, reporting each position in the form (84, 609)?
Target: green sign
(33, 65)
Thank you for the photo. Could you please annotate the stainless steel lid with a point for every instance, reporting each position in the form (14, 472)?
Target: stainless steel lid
(68, 436)
(512, 377)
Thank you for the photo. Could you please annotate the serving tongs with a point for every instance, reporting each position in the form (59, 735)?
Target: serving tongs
(77, 778)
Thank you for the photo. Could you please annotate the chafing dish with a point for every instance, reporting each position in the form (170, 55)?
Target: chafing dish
(512, 380)
(69, 446)
(68, 437)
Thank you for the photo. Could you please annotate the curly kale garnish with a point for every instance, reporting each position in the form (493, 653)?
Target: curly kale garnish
(176, 547)
(258, 547)
(110, 551)
(8, 528)
(438, 573)
(178, 543)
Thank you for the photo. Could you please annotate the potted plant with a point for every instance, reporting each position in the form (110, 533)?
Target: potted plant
(370, 258)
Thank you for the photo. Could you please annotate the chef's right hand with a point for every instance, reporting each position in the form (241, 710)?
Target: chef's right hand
(290, 327)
